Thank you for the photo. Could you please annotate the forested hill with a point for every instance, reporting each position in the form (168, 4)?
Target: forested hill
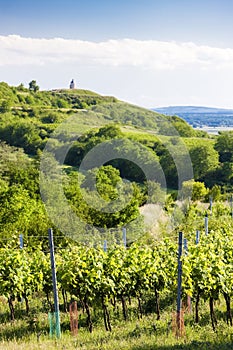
(28, 116)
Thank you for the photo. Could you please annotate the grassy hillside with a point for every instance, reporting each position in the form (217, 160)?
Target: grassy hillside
(28, 118)
(24, 112)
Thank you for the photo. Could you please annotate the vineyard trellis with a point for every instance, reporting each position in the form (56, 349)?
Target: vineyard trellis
(105, 279)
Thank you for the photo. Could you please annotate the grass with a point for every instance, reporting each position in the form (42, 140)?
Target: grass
(32, 332)
(134, 335)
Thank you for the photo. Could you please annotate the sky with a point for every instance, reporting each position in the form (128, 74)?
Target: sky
(152, 53)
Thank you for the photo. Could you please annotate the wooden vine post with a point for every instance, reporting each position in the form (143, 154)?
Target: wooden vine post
(73, 318)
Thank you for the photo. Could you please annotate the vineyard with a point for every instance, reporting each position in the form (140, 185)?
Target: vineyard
(139, 276)
(124, 277)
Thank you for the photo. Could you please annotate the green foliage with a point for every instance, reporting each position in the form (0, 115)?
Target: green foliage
(224, 175)
(124, 113)
(105, 180)
(224, 146)
(215, 193)
(8, 93)
(21, 133)
(51, 117)
(33, 86)
(5, 106)
(98, 279)
(21, 213)
(204, 159)
(91, 275)
(196, 188)
(29, 100)
(103, 199)
(154, 193)
(87, 141)
(21, 88)
(61, 103)
(183, 128)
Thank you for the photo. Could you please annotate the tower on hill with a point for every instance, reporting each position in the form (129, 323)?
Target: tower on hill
(72, 84)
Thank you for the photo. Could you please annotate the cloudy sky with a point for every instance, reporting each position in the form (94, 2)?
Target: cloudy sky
(149, 52)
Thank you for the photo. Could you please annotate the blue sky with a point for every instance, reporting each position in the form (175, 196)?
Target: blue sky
(178, 52)
(206, 21)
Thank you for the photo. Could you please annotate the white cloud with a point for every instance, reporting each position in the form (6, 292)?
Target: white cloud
(148, 73)
(148, 54)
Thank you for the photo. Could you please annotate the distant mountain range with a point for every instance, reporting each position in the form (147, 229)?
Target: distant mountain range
(200, 116)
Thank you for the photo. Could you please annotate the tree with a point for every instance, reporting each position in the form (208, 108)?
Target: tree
(154, 192)
(21, 213)
(21, 87)
(204, 159)
(109, 132)
(5, 106)
(114, 203)
(21, 134)
(61, 103)
(197, 189)
(33, 86)
(224, 146)
(89, 140)
(215, 192)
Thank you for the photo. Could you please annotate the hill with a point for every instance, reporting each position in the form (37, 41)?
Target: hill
(192, 109)
(200, 116)
(27, 117)
(114, 284)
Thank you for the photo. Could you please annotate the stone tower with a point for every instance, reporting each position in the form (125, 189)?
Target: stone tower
(72, 84)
